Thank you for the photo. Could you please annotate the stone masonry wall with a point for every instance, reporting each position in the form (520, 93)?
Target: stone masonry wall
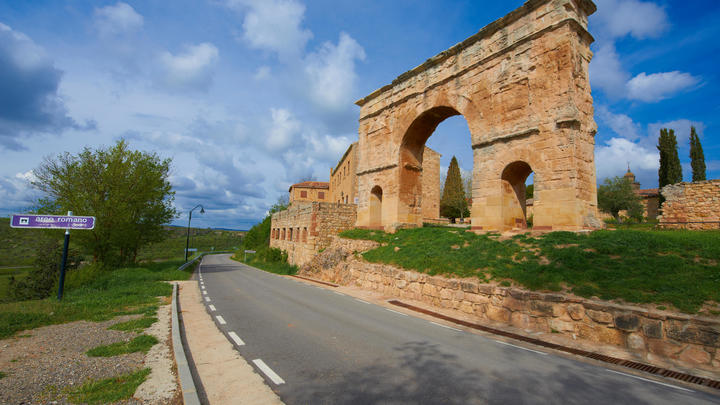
(691, 205)
(656, 337)
(306, 227)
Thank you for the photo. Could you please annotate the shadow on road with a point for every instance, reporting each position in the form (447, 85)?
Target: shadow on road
(425, 375)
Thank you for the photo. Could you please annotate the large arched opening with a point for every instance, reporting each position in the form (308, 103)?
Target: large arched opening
(514, 189)
(376, 197)
(420, 177)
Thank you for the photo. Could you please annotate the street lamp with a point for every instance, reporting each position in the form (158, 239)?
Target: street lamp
(187, 240)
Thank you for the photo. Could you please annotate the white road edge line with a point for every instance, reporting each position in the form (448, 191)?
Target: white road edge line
(445, 326)
(212, 307)
(520, 347)
(268, 372)
(649, 380)
(364, 302)
(205, 292)
(207, 299)
(399, 313)
(339, 293)
(220, 319)
(236, 339)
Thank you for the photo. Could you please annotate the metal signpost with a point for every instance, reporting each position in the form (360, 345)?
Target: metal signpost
(66, 222)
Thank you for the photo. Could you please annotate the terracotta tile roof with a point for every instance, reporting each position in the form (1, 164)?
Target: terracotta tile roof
(648, 192)
(311, 184)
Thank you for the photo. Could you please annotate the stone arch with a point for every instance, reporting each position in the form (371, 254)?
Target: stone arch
(410, 160)
(513, 179)
(522, 85)
(376, 207)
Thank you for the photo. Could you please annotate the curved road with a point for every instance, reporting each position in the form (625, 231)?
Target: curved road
(317, 346)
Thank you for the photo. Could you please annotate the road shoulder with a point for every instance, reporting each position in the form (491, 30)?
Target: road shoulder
(225, 376)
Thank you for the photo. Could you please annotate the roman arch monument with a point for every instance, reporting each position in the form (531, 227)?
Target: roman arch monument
(522, 85)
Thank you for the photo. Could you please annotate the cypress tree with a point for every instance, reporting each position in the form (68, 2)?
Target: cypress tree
(670, 171)
(697, 158)
(453, 203)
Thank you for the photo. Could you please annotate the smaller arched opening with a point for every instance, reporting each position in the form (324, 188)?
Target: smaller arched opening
(514, 202)
(376, 196)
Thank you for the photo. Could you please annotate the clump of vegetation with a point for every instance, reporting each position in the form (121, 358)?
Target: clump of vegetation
(96, 295)
(258, 239)
(134, 325)
(42, 280)
(615, 195)
(142, 343)
(639, 266)
(110, 390)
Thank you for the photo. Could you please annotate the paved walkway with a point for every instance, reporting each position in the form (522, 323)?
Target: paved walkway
(225, 376)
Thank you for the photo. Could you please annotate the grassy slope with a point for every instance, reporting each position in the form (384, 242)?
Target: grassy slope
(95, 295)
(639, 266)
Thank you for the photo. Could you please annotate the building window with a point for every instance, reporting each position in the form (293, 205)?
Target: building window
(321, 195)
(303, 194)
(304, 235)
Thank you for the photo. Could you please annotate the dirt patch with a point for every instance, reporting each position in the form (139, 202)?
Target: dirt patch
(51, 360)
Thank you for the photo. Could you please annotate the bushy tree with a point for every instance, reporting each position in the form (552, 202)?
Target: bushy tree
(41, 281)
(697, 157)
(127, 191)
(615, 195)
(453, 203)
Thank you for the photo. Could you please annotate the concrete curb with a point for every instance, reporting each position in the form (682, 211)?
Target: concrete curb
(187, 385)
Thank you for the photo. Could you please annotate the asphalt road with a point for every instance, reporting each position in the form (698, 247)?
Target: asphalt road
(316, 346)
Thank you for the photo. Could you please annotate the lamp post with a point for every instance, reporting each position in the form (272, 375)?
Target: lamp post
(187, 240)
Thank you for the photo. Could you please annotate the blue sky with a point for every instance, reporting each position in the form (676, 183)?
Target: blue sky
(249, 96)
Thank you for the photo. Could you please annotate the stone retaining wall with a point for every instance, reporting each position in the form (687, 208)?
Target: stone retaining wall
(656, 337)
(691, 205)
(306, 227)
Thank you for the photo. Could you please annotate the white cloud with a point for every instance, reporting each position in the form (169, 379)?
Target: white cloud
(274, 25)
(682, 130)
(16, 193)
(283, 131)
(606, 72)
(191, 69)
(621, 124)
(658, 86)
(118, 19)
(331, 71)
(611, 158)
(640, 19)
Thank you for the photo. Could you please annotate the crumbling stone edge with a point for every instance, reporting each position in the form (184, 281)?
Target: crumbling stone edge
(187, 385)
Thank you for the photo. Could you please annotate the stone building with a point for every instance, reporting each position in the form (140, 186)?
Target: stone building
(343, 180)
(307, 227)
(649, 196)
(309, 191)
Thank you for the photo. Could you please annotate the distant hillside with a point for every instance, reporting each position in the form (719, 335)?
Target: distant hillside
(17, 246)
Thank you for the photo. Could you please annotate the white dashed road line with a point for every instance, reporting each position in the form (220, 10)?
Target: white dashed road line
(207, 299)
(268, 372)
(339, 293)
(220, 319)
(364, 302)
(236, 339)
(399, 313)
(212, 307)
(520, 347)
(445, 326)
(649, 380)
(205, 292)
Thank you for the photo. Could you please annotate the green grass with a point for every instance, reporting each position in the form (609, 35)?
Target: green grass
(635, 265)
(2, 375)
(95, 295)
(111, 389)
(142, 343)
(5, 275)
(282, 268)
(135, 325)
